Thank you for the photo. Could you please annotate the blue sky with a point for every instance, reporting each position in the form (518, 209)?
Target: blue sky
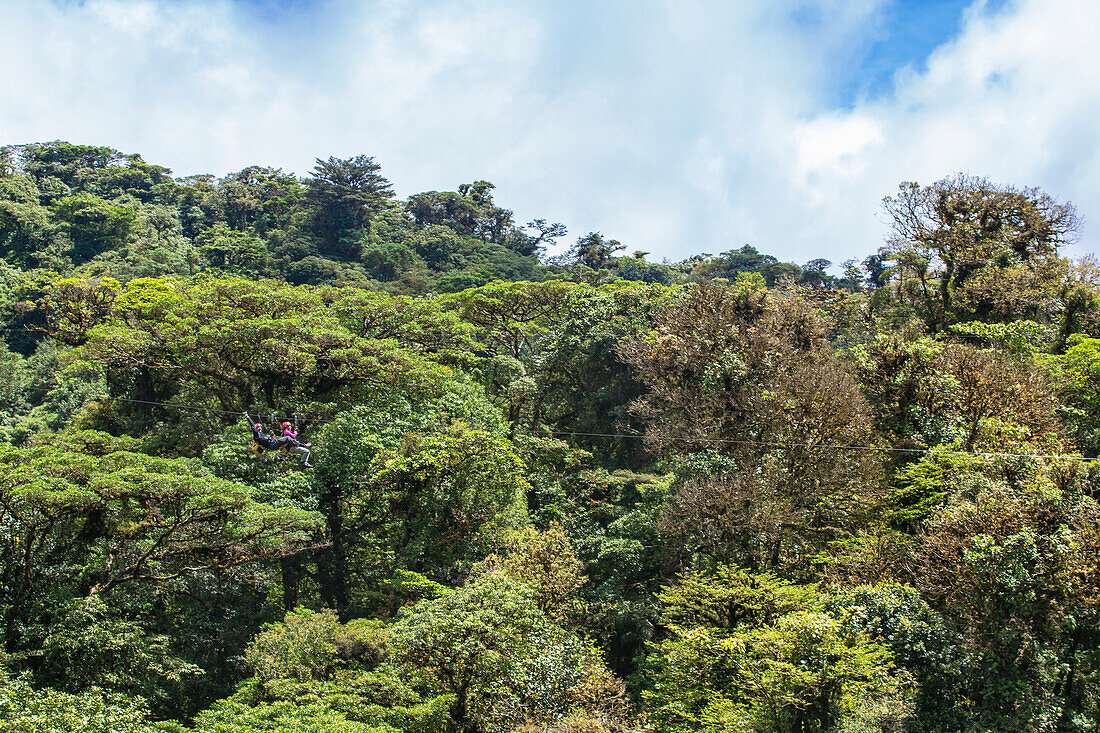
(908, 32)
(677, 127)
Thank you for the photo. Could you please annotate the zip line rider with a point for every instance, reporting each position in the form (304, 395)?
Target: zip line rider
(288, 441)
(292, 433)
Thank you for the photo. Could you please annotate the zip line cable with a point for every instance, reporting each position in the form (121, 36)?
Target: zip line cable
(634, 436)
(193, 408)
(722, 441)
(273, 418)
(834, 446)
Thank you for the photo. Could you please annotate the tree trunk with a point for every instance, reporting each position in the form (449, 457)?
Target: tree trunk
(332, 562)
(292, 577)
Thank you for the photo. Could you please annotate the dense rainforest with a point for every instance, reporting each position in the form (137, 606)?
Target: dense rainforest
(581, 493)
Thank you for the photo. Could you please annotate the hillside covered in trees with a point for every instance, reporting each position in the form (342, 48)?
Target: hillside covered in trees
(580, 493)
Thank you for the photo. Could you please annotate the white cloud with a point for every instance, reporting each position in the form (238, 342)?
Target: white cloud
(676, 126)
(1010, 98)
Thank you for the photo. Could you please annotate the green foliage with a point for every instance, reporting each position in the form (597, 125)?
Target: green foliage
(457, 494)
(86, 648)
(38, 396)
(932, 393)
(1008, 565)
(345, 195)
(280, 717)
(25, 226)
(746, 372)
(387, 261)
(923, 485)
(678, 463)
(303, 647)
(311, 666)
(975, 250)
(503, 662)
(85, 515)
(259, 198)
(546, 562)
(1078, 378)
(735, 263)
(94, 225)
(234, 251)
(26, 710)
(920, 640)
(745, 653)
(593, 251)
(241, 343)
(1019, 337)
(731, 597)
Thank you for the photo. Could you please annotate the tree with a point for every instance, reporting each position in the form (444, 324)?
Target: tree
(26, 231)
(279, 717)
(233, 344)
(259, 198)
(1012, 562)
(746, 373)
(388, 261)
(233, 250)
(546, 562)
(26, 710)
(993, 389)
(454, 496)
(302, 647)
(437, 245)
(922, 642)
(814, 273)
(500, 659)
(312, 670)
(949, 237)
(744, 653)
(470, 212)
(554, 351)
(928, 393)
(85, 514)
(88, 648)
(593, 251)
(71, 307)
(547, 233)
(745, 259)
(72, 164)
(346, 194)
(1077, 374)
(94, 225)
(145, 519)
(512, 316)
(449, 209)
(407, 482)
(492, 223)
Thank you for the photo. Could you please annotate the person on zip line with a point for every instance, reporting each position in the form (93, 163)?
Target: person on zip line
(300, 448)
(272, 443)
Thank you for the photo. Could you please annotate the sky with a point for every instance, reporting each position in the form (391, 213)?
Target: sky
(678, 127)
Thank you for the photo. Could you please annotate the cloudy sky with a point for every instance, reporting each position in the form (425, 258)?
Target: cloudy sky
(676, 127)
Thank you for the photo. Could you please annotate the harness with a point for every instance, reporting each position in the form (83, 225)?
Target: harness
(262, 443)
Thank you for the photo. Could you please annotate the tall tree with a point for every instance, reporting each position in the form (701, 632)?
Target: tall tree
(962, 231)
(593, 251)
(84, 513)
(346, 193)
(259, 197)
(747, 374)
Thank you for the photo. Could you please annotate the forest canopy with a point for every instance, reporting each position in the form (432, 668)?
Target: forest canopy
(577, 493)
